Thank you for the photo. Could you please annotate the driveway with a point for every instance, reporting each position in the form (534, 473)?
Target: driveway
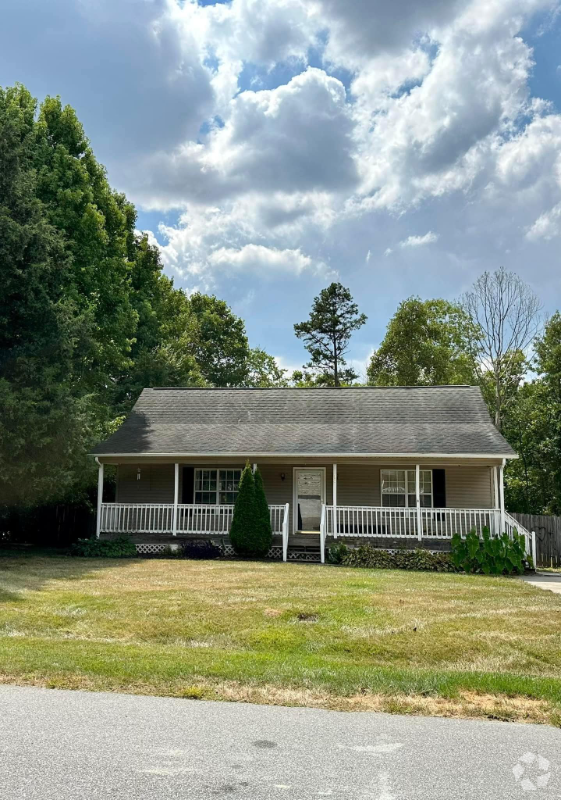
(58, 745)
(545, 580)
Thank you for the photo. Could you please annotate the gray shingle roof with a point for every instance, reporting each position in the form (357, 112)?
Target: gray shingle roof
(398, 420)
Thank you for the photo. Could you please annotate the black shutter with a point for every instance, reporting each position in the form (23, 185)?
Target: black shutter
(439, 488)
(187, 494)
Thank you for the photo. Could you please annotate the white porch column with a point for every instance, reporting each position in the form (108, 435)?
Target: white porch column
(418, 500)
(175, 500)
(253, 468)
(496, 501)
(99, 498)
(502, 497)
(335, 525)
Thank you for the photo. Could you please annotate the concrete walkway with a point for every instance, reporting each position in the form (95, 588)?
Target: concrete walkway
(59, 745)
(545, 580)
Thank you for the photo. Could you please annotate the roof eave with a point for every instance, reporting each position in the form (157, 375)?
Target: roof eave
(306, 455)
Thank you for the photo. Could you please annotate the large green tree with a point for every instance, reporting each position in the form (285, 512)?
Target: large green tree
(42, 420)
(162, 350)
(427, 342)
(97, 224)
(532, 423)
(219, 341)
(219, 344)
(87, 317)
(327, 332)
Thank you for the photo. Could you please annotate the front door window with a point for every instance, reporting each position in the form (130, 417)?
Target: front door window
(309, 498)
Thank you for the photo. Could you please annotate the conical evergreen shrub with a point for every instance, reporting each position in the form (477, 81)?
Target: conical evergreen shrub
(265, 533)
(245, 520)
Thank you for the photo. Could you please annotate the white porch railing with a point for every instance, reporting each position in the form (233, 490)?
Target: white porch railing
(435, 523)
(136, 517)
(204, 519)
(158, 518)
(285, 525)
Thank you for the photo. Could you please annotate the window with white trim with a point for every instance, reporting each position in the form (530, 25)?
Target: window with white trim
(398, 488)
(217, 486)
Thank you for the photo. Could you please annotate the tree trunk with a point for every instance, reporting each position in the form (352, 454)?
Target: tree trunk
(498, 403)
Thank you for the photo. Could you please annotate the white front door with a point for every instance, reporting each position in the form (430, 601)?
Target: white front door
(309, 495)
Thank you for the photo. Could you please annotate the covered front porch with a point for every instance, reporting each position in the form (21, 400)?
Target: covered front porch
(389, 504)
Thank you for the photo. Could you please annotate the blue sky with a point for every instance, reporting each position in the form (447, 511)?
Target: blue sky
(272, 146)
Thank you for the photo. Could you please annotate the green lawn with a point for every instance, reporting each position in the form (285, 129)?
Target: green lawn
(284, 633)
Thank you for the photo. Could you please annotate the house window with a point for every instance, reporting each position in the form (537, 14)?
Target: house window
(228, 484)
(216, 486)
(398, 488)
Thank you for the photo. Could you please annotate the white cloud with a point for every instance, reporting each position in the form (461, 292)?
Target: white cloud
(289, 365)
(420, 241)
(547, 226)
(293, 139)
(359, 29)
(276, 180)
(265, 261)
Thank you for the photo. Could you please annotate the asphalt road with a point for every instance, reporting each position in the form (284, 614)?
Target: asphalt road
(57, 745)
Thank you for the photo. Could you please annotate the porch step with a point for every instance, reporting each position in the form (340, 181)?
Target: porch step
(309, 555)
(304, 547)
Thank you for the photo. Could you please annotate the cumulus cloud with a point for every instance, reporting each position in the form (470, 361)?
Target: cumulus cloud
(363, 28)
(293, 139)
(442, 135)
(264, 261)
(209, 244)
(420, 241)
(547, 226)
(215, 111)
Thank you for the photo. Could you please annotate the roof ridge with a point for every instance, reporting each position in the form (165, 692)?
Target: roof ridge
(299, 388)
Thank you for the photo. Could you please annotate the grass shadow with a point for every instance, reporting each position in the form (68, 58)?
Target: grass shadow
(36, 568)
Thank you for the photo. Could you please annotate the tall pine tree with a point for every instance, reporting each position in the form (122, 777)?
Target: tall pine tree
(327, 333)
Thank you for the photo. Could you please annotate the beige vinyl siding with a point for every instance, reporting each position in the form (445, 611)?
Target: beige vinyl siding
(357, 484)
(155, 485)
(468, 487)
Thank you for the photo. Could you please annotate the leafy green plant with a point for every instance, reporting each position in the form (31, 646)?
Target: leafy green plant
(376, 558)
(248, 535)
(265, 532)
(122, 547)
(337, 553)
(491, 555)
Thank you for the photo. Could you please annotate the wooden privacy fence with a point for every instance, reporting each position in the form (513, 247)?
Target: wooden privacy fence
(548, 537)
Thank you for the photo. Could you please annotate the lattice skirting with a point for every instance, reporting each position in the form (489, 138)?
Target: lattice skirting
(302, 555)
(153, 548)
(228, 551)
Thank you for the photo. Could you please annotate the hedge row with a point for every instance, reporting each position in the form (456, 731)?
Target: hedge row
(373, 558)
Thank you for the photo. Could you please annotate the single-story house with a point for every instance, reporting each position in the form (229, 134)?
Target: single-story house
(397, 466)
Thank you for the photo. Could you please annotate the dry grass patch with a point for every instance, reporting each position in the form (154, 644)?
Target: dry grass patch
(455, 645)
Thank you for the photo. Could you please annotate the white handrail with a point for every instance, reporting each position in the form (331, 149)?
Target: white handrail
(511, 525)
(398, 522)
(191, 518)
(285, 523)
(322, 533)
